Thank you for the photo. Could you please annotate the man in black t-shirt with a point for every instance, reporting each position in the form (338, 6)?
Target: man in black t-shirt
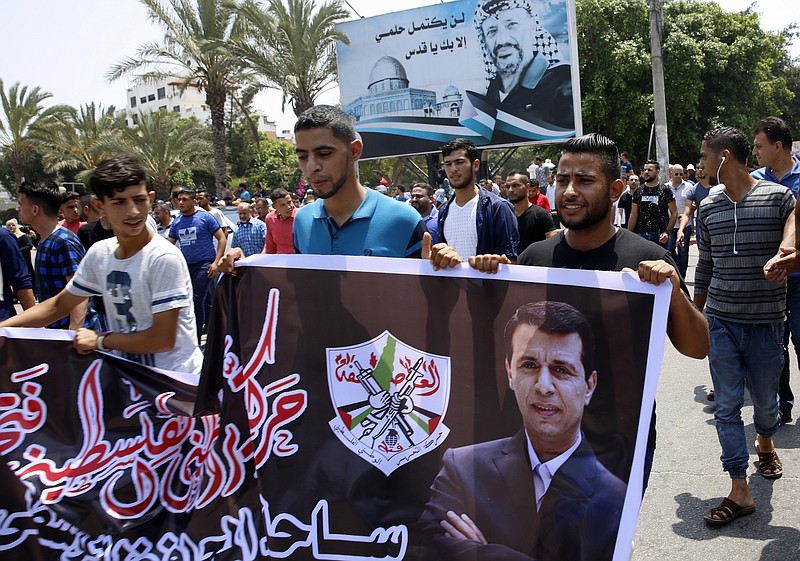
(654, 211)
(534, 223)
(587, 184)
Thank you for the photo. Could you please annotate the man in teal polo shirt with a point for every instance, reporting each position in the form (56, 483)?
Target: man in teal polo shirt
(347, 218)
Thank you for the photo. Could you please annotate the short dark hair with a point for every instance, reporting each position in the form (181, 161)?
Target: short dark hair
(187, 191)
(652, 163)
(115, 174)
(278, 193)
(70, 196)
(557, 318)
(162, 205)
(597, 145)
(44, 194)
(428, 189)
(86, 200)
(401, 188)
(327, 117)
(776, 130)
(731, 139)
(527, 179)
(461, 144)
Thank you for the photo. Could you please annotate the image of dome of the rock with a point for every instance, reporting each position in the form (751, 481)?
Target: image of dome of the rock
(389, 93)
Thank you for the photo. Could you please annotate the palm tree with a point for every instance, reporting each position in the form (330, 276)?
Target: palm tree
(197, 50)
(166, 144)
(21, 118)
(291, 46)
(80, 138)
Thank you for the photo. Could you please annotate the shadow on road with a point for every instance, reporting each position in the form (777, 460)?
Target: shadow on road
(784, 541)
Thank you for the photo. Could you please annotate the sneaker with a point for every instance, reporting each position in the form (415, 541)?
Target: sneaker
(786, 416)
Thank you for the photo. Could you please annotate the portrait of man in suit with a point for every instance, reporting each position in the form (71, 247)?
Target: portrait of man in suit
(540, 494)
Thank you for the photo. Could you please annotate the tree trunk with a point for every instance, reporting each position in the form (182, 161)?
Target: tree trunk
(215, 98)
(300, 105)
(162, 189)
(18, 162)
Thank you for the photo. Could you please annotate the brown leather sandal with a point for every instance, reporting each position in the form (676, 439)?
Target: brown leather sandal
(769, 465)
(727, 512)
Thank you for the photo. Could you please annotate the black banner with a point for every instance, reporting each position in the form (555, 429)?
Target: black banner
(328, 399)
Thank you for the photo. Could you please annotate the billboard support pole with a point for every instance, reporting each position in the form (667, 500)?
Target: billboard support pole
(433, 169)
(502, 161)
(411, 166)
(659, 99)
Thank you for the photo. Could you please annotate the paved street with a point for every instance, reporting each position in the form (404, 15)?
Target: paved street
(687, 478)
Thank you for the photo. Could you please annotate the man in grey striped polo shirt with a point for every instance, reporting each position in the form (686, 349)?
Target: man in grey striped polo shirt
(741, 225)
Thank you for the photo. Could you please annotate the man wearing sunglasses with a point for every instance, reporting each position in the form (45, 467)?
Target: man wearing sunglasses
(679, 189)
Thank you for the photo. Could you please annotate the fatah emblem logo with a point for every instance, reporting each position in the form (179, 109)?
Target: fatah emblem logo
(390, 400)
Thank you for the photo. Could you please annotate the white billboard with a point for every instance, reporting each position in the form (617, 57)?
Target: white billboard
(499, 72)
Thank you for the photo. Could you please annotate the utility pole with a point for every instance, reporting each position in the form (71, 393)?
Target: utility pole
(660, 105)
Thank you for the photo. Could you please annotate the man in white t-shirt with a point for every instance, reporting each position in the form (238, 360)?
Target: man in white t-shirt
(679, 189)
(204, 202)
(142, 278)
(475, 220)
(163, 219)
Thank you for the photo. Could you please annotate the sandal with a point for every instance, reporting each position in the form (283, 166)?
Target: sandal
(727, 511)
(769, 465)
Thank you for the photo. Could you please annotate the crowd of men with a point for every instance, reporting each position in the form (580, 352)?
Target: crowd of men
(140, 268)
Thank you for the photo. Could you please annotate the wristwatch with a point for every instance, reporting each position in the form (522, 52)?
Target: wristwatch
(100, 339)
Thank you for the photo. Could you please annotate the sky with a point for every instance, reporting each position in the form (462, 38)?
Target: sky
(67, 47)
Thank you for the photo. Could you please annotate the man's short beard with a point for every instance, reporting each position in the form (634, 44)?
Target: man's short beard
(467, 181)
(515, 201)
(590, 219)
(421, 208)
(336, 186)
(510, 66)
(334, 190)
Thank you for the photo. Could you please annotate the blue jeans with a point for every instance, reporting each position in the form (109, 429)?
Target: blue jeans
(682, 252)
(791, 330)
(654, 237)
(198, 272)
(739, 353)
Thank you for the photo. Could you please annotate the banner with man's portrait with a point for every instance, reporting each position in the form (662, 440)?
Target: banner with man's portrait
(348, 406)
(499, 72)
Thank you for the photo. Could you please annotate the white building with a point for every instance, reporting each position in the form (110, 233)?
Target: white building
(166, 94)
(265, 124)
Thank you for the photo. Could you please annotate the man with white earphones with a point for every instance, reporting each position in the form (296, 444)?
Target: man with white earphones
(741, 226)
